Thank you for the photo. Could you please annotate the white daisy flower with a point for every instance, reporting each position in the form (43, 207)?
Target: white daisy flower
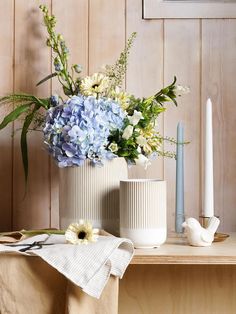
(94, 85)
(81, 233)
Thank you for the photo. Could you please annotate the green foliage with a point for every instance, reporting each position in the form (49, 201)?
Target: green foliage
(23, 104)
(150, 108)
(12, 116)
(60, 54)
(24, 147)
(48, 77)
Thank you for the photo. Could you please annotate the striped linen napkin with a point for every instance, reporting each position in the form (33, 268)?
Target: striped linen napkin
(88, 266)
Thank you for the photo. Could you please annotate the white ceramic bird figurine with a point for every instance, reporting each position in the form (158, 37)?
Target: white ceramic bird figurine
(199, 236)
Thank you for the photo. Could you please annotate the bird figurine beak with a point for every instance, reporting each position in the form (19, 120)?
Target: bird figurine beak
(184, 224)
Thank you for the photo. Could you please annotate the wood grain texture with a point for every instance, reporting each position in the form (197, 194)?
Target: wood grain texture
(145, 70)
(106, 32)
(178, 289)
(76, 16)
(177, 251)
(218, 83)
(156, 9)
(32, 63)
(6, 86)
(182, 58)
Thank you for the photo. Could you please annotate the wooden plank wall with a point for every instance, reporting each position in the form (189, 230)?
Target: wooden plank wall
(202, 53)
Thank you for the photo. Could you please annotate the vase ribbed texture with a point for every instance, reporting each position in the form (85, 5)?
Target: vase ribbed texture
(92, 193)
(143, 204)
(143, 212)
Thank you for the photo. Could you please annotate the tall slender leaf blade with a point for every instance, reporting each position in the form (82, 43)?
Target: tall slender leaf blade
(48, 77)
(24, 147)
(12, 116)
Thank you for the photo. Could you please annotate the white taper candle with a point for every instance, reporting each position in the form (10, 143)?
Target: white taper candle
(208, 208)
(179, 203)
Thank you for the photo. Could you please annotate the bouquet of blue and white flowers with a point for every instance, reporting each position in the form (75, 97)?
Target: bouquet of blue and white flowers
(97, 120)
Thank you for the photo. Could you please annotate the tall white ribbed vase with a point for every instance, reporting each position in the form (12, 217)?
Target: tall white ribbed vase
(92, 193)
(143, 212)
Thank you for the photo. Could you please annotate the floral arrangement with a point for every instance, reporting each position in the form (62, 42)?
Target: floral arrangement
(96, 119)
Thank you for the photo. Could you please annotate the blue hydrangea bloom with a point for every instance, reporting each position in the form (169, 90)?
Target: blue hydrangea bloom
(79, 130)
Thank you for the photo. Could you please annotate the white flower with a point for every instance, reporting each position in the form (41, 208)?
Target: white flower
(121, 97)
(113, 147)
(181, 90)
(142, 161)
(141, 140)
(128, 131)
(94, 85)
(134, 119)
(81, 233)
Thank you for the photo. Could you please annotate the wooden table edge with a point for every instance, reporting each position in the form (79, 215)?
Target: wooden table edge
(184, 260)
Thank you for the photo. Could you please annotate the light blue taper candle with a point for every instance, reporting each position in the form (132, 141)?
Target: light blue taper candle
(179, 206)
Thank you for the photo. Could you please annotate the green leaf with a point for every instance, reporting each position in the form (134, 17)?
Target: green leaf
(47, 78)
(24, 148)
(124, 154)
(14, 115)
(25, 98)
(175, 79)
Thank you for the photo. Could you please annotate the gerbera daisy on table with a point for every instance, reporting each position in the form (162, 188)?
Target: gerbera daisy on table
(81, 232)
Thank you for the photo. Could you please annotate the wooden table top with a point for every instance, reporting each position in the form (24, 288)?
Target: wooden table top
(177, 251)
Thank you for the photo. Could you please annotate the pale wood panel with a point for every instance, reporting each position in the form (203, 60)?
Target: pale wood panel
(182, 58)
(145, 70)
(6, 86)
(178, 289)
(32, 62)
(218, 83)
(106, 32)
(189, 9)
(177, 251)
(72, 23)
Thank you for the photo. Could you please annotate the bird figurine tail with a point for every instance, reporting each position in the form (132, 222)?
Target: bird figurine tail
(213, 224)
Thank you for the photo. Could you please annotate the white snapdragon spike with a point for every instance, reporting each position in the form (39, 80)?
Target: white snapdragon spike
(134, 119)
(181, 90)
(128, 131)
(142, 161)
(113, 147)
(141, 140)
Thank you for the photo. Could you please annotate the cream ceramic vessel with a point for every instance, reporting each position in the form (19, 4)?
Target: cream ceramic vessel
(143, 212)
(92, 193)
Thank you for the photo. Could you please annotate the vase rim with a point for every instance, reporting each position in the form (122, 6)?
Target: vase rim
(141, 180)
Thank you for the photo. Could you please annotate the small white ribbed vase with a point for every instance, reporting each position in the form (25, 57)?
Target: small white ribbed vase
(143, 212)
(92, 193)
